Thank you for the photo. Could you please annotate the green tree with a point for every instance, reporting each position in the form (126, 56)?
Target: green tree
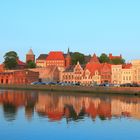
(10, 60)
(31, 64)
(78, 57)
(104, 58)
(117, 61)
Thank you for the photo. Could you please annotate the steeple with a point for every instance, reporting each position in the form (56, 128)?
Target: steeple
(68, 52)
(68, 58)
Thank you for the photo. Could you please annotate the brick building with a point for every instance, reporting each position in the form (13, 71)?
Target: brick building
(49, 73)
(54, 58)
(93, 72)
(30, 56)
(41, 61)
(72, 74)
(114, 57)
(18, 77)
(1, 67)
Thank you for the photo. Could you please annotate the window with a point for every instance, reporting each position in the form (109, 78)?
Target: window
(1, 81)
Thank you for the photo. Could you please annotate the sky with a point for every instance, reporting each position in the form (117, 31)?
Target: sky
(87, 26)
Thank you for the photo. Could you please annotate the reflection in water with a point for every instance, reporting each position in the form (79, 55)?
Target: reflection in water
(56, 106)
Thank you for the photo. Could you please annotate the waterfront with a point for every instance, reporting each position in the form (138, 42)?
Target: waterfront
(37, 115)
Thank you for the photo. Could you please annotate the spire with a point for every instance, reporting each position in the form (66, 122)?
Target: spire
(68, 52)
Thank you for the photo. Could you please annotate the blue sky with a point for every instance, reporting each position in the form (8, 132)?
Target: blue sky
(88, 26)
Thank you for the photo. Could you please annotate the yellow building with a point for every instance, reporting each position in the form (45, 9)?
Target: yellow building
(136, 70)
(127, 75)
(122, 74)
(116, 74)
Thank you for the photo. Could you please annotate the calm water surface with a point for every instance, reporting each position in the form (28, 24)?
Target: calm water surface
(29, 115)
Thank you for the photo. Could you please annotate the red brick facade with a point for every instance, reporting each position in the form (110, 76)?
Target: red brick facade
(93, 72)
(105, 73)
(54, 58)
(113, 57)
(18, 77)
(30, 56)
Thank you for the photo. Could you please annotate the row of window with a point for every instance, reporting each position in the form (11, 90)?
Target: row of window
(127, 78)
(70, 77)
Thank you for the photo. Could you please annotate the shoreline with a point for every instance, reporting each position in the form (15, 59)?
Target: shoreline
(77, 89)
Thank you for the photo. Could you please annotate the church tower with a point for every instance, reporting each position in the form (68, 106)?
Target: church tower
(68, 59)
(30, 56)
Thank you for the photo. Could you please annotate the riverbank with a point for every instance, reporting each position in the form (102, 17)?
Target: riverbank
(78, 89)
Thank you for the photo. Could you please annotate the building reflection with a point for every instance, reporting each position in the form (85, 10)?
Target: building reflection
(58, 106)
(12, 101)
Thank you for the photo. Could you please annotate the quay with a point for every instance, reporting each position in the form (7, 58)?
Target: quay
(75, 89)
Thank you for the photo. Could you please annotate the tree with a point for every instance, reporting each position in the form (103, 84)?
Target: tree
(10, 60)
(78, 57)
(104, 58)
(117, 61)
(31, 64)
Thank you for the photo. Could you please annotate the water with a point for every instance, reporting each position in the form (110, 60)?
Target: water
(34, 115)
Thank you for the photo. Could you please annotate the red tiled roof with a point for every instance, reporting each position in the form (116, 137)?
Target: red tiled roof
(92, 67)
(55, 56)
(20, 63)
(113, 57)
(94, 59)
(127, 66)
(106, 65)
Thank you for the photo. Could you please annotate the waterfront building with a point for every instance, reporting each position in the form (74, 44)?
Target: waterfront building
(122, 74)
(49, 73)
(127, 74)
(72, 74)
(92, 73)
(136, 71)
(1, 67)
(18, 77)
(116, 77)
(105, 73)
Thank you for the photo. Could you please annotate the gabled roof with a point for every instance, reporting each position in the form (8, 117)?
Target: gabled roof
(55, 56)
(92, 67)
(70, 68)
(21, 63)
(94, 59)
(106, 64)
(42, 57)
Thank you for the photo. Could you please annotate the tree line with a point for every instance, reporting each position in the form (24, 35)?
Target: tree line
(11, 57)
(11, 61)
